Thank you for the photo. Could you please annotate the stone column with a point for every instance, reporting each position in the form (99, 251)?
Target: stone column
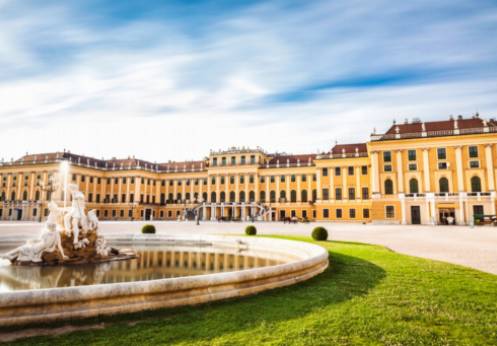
(183, 189)
(138, 183)
(426, 170)
(267, 178)
(237, 188)
(403, 212)
(460, 170)
(345, 190)
(209, 188)
(277, 180)
(218, 188)
(128, 186)
(318, 183)
(331, 175)
(375, 174)
(31, 193)
(490, 168)
(256, 188)
(358, 192)
(400, 172)
(299, 194)
(287, 181)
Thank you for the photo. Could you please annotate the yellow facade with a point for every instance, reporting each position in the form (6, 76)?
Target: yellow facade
(439, 172)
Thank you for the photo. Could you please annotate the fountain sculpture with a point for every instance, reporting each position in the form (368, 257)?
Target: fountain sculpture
(69, 236)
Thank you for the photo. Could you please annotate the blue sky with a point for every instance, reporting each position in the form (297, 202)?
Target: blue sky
(171, 79)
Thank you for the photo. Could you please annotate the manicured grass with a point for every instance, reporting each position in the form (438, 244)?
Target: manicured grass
(369, 295)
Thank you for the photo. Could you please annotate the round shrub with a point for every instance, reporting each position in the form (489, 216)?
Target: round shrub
(319, 233)
(148, 229)
(250, 230)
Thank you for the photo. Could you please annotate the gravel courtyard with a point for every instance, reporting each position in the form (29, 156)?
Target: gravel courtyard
(471, 247)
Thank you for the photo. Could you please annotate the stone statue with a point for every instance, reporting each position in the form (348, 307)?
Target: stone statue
(49, 241)
(75, 216)
(69, 236)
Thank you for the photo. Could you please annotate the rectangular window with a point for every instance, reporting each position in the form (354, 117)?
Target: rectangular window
(293, 178)
(242, 179)
(132, 197)
(351, 170)
(252, 159)
(413, 167)
(223, 161)
(473, 151)
(98, 198)
(304, 177)
(242, 161)
(338, 193)
(326, 213)
(123, 198)
(351, 193)
(387, 156)
(338, 213)
(364, 170)
(282, 178)
(233, 160)
(232, 179)
(272, 179)
(365, 213)
(441, 154)
(338, 171)
(387, 168)
(365, 193)
(389, 212)
(251, 179)
(411, 154)
(326, 194)
(214, 161)
(90, 197)
(352, 213)
(325, 172)
(261, 179)
(442, 165)
(474, 164)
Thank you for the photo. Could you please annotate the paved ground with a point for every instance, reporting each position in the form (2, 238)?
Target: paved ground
(471, 247)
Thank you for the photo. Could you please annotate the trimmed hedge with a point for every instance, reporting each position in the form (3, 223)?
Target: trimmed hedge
(250, 230)
(319, 233)
(148, 229)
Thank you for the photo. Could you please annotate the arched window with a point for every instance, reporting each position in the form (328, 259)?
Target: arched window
(262, 196)
(232, 196)
(37, 195)
(223, 196)
(443, 185)
(251, 196)
(293, 196)
(170, 198)
(204, 196)
(49, 195)
(25, 196)
(242, 196)
(388, 187)
(13, 196)
(314, 195)
(304, 195)
(178, 197)
(272, 196)
(213, 197)
(282, 195)
(3, 196)
(475, 184)
(187, 196)
(413, 185)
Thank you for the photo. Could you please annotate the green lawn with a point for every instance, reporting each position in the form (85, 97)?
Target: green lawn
(369, 295)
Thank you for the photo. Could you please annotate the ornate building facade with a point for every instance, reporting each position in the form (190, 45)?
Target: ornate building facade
(417, 172)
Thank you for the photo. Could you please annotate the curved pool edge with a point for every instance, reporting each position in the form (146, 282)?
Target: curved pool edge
(48, 305)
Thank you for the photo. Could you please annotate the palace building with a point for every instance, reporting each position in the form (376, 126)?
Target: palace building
(438, 172)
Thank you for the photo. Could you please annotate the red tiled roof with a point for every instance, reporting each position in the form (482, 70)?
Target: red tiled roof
(292, 159)
(444, 125)
(349, 148)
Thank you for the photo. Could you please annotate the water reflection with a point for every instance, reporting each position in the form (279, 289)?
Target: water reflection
(151, 264)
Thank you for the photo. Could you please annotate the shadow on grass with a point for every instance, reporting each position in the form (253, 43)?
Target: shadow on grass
(346, 278)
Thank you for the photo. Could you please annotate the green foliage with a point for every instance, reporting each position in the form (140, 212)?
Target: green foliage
(319, 233)
(250, 230)
(369, 295)
(148, 229)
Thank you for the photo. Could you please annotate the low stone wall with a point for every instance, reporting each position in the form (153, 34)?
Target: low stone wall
(45, 305)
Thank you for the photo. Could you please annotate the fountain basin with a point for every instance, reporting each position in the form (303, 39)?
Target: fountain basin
(295, 262)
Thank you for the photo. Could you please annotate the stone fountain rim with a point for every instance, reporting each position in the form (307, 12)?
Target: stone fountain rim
(314, 255)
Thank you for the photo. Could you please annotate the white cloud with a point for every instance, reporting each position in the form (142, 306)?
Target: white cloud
(148, 88)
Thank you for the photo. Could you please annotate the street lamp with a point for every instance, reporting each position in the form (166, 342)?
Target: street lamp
(64, 171)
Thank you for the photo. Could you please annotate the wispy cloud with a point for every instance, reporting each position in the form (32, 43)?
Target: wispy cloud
(173, 80)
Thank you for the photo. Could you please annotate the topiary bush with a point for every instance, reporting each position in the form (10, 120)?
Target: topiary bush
(319, 233)
(250, 230)
(148, 229)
